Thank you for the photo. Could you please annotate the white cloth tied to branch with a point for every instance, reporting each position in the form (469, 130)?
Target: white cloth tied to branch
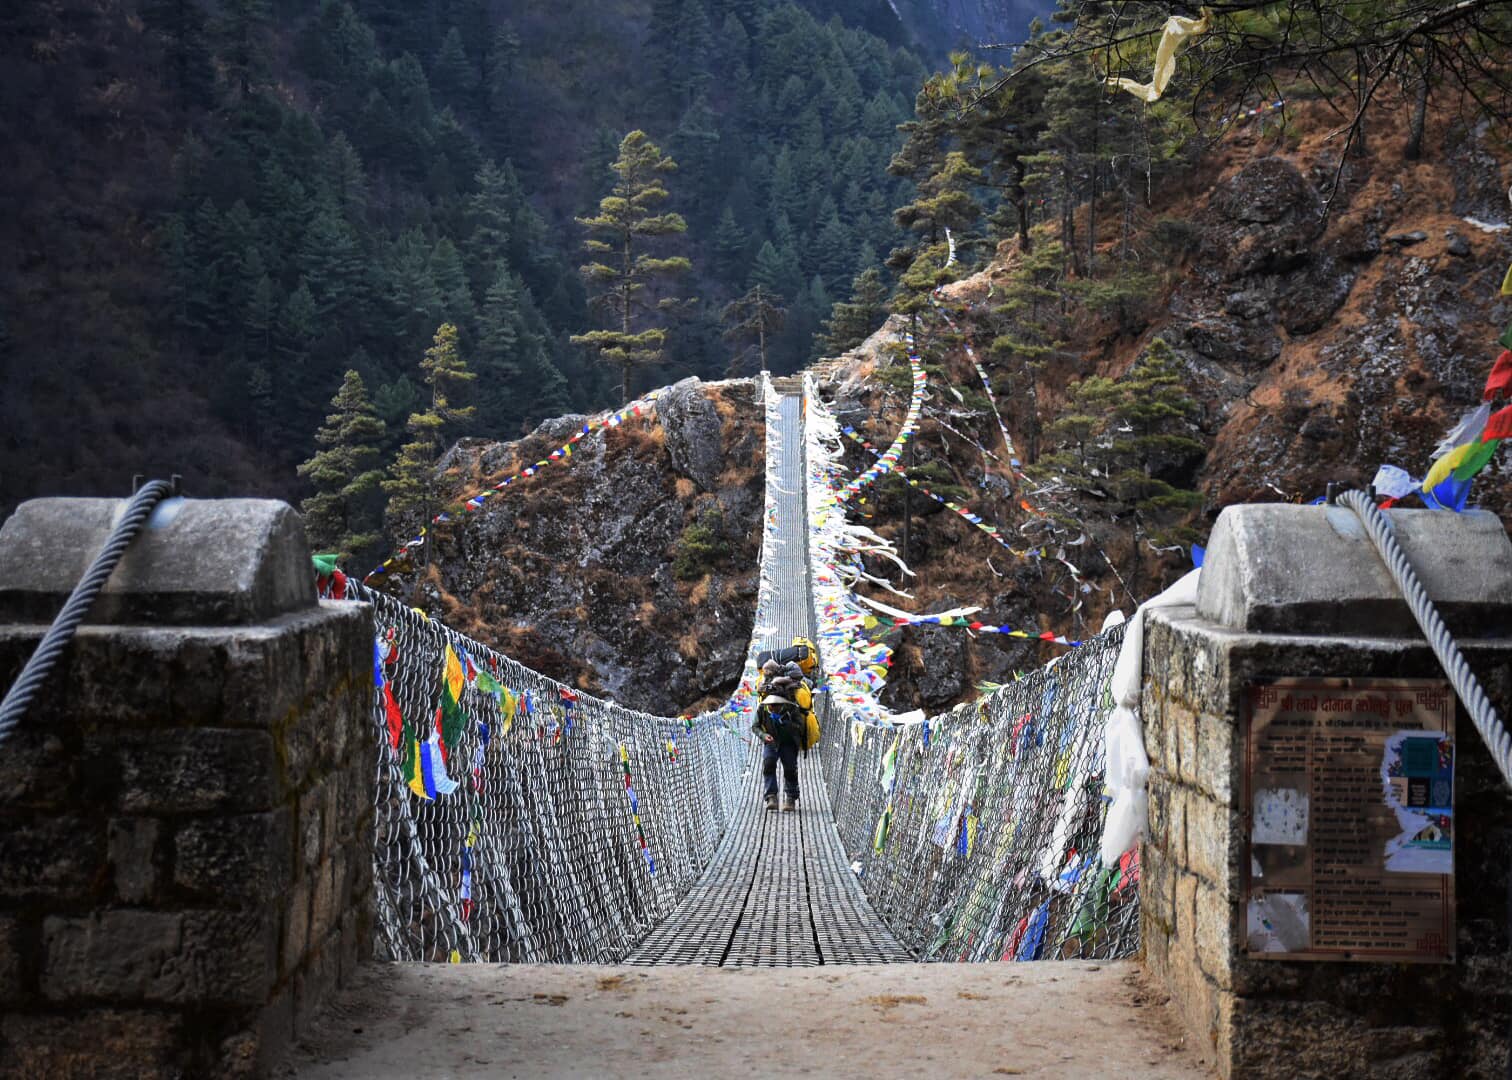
(1177, 32)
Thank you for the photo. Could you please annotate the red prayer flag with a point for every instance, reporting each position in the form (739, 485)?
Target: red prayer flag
(1499, 426)
(391, 713)
(1500, 378)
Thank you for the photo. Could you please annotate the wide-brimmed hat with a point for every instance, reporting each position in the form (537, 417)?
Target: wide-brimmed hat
(773, 699)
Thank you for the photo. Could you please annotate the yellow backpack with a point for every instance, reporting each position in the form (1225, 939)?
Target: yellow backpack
(808, 660)
(804, 699)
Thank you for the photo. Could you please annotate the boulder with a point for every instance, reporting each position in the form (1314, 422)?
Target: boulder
(694, 433)
(1265, 219)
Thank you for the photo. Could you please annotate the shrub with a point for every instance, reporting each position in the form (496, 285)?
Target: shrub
(700, 547)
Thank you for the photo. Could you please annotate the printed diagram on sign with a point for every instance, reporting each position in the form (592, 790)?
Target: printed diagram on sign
(1277, 923)
(1280, 817)
(1417, 775)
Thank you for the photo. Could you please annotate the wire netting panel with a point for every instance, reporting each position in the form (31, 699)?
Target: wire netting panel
(574, 824)
(976, 834)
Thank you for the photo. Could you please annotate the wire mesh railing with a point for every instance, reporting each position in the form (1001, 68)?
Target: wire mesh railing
(976, 833)
(518, 820)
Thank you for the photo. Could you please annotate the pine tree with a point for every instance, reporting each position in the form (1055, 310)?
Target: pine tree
(753, 319)
(624, 229)
(262, 406)
(852, 322)
(240, 34)
(181, 26)
(1155, 404)
(496, 88)
(330, 260)
(346, 179)
(1091, 399)
(835, 250)
(729, 246)
(260, 320)
(490, 213)
(299, 321)
(502, 345)
(776, 269)
(696, 142)
(945, 200)
(451, 282)
(453, 76)
(341, 514)
(413, 297)
(1002, 131)
(412, 487)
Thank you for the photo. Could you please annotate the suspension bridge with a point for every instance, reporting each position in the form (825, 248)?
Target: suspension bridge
(545, 825)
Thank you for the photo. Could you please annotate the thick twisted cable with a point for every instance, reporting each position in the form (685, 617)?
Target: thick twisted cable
(25, 688)
(1466, 685)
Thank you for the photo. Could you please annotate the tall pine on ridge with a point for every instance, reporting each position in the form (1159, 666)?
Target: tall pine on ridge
(412, 483)
(625, 273)
(342, 515)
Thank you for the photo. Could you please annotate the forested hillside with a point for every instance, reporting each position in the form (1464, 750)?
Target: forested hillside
(215, 210)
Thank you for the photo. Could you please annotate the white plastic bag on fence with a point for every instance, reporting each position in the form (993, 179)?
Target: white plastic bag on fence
(1128, 766)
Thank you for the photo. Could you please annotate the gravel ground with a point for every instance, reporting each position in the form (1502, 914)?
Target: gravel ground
(1063, 1020)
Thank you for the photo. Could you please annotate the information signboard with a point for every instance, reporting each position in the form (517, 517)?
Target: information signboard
(1349, 820)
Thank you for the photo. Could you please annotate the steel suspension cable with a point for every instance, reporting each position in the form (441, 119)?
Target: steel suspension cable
(1466, 685)
(34, 674)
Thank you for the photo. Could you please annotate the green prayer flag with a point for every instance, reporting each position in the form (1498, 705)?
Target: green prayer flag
(1476, 459)
(325, 565)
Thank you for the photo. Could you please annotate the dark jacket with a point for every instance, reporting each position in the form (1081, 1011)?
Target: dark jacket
(786, 727)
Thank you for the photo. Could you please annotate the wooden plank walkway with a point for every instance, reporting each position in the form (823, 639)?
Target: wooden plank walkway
(779, 892)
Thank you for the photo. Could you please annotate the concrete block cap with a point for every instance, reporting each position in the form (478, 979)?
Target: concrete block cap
(196, 562)
(1313, 570)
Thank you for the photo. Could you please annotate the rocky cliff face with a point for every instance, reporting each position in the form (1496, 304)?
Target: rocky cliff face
(1319, 341)
(572, 571)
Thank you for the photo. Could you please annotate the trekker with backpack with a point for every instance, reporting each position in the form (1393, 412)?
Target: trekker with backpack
(780, 724)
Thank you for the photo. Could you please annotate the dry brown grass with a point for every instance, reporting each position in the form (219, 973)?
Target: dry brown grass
(688, 646)
(699, 594)
(685, 489)
(888, 1002)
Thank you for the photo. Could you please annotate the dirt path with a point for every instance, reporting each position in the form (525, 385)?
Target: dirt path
(1063, 1020)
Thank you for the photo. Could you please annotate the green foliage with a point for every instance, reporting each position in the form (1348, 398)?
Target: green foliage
(1127, 296)
(299, 184)
(1136, 431)
(852, 322)
(411, 486)
(700, 547)
(343, 514)
(937, 477)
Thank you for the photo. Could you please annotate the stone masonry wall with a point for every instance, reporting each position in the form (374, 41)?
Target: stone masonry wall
(1267, 1019)
(187, 824)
